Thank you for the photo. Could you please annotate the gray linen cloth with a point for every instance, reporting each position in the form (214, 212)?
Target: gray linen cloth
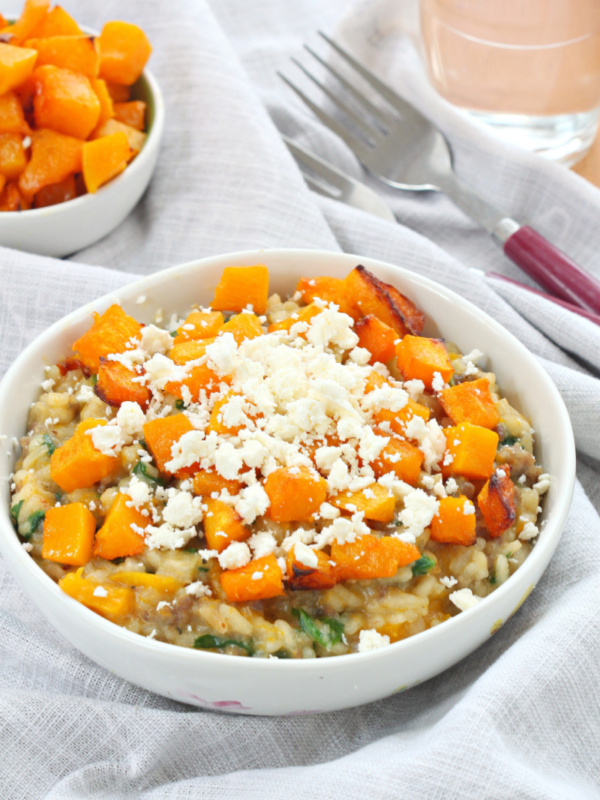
(519, 718)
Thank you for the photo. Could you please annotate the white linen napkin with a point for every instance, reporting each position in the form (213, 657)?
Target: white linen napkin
(519, 718)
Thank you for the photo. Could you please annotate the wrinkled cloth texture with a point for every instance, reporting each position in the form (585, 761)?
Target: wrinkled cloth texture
(520, 717)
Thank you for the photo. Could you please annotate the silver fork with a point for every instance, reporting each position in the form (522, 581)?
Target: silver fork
(325, 179)
(402, 148)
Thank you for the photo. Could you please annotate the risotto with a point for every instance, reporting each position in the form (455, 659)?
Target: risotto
(293, 478)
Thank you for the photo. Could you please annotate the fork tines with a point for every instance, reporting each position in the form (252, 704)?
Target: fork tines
(368, 133)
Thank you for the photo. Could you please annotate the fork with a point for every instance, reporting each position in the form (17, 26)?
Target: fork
(402, 148)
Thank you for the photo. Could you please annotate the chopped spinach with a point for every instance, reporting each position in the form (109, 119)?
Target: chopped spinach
(14, 512)
(324, 630)
(173, 333)
(47, 440)
(508, 441)
(58, 496)
(423, 565)
(145, 472)
(282, 654)
(34, 520)
(94, 380)
(179, 404)
(492, 579)
(202, 569)
(208, 642)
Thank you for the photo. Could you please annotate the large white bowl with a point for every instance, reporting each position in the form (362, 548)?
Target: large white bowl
(273, 686)
(65, 228)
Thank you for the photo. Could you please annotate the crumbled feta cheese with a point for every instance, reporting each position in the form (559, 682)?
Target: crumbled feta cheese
(305, 555)
(438, 383)
(419, 509)
(183, 510)
(262, 544)
(464, 599)
(156, 340)
(448, 581)
(198, 589)
(47, 384)
(530, 531)
(372, 640)
(100, 591)
(166, 537)
(130, 419)
(234, 556)
(253, 502)
(85, 394)
(107, 439)
(543, 483)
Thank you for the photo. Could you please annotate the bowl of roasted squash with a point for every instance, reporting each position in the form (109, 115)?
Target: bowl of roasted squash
(81, 120)
(280, 481)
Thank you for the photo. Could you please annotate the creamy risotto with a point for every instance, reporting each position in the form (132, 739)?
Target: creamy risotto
(291, 478)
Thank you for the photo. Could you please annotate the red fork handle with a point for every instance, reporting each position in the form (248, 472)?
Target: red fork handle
(552, 269)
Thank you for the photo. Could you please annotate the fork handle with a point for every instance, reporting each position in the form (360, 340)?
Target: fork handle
(552, 268)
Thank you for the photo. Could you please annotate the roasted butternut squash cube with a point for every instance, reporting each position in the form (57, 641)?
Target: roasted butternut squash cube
(68, 534)
(376, 337)
(242, 287)
(135, 138)
(111, 332)
(302, 576)
(12, 119)
(117, 538)
(496, 501)
(375, 502)
(76, 53)
(471, 401)
(199, 325)
(420, 358)
(401, 458)
(118, 384)
(34, 11)
(161, 434)
(243, 326)
(124, 50)
(132, 113)
(222, 525)
(103, 159)
(56, 23)
(332, 290)
(65, 102)
(113, 602)
(454, 522)
(13, 159)
(56, 193)
(16, 64)
(366, 294)
(470, 451)
(370, 556)
(208, 482)
(54, 157)
(258, 580)
(106, 103)
(77, 464)
(295, 494)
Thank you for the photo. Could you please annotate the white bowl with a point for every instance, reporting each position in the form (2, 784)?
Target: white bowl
(273, 686)
(65, 228)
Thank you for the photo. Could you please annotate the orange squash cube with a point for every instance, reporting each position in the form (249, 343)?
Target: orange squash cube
(34, 11)
(242, 287)
(13, 159)
(454, 522)
(243, 326)
(11, 198)
(420, 358)
(16, 64)
(305, 314)
(110, 333)
(117, 384)
(401, 458)
(207, 482)
(68, 534)
(65, 102)
(54, 157)
(370, 556)
(470, 401)
(199, 325)
(56, 193)
(296, 493)
(160, 583)
(332, 290)
(104, 159)
(132, 113)
(77, 464)
(258, 580)
(376, 503)
(222, 525)
(56, 23)
(114, 602)
(135, 138)
(12, 119)
(76, 53)
(496, 501)
(117, 538)
(106, 103)
(124, 51)
(161, 434)
(366, 294)
(376, 337)
(470, 451)
(397, 419)
(300, 576)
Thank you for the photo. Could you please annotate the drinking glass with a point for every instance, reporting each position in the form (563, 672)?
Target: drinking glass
(529, 68)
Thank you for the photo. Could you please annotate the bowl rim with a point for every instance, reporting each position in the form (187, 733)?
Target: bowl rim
(154, 136)
(12, 549)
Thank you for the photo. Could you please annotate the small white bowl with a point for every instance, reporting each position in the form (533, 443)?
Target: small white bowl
(273, 686)
(65, 228)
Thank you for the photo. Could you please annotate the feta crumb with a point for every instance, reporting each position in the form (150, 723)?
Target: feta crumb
(130, 419)
(198, 589)
(530, 531)
(156, 340)
(100, 591)
(543, 483)
(262, 544)
(305, 555)
(372, 640)
(183, 510)
(438, 383)
(419, 509)
(234, 556)
(85, 394)
(448, 581)
(464, 599)
(47, 384)
(27, 546)
(107, 439)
